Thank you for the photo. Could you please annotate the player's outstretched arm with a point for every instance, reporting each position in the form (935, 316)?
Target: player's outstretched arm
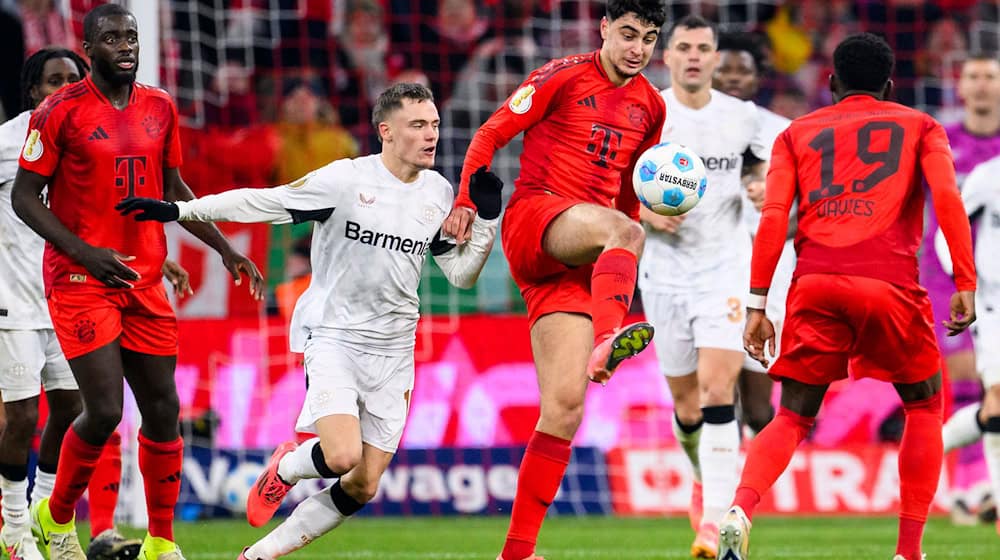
(463, 263)
(772, 231)
(175, 189)
(106, 265)
(487, 140)
(939, 170)
(527, 106)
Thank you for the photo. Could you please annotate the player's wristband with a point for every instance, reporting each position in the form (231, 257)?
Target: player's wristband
(756, 301)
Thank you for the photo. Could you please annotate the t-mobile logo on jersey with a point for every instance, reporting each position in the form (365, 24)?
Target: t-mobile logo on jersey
(357, 233)
(130, 171)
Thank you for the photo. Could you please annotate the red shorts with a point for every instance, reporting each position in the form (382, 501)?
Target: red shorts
(89, 318)
(837, 325)
(547, 285)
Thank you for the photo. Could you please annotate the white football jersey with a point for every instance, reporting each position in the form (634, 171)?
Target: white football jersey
(771, 125)
(712, 236)
(22, 295)
(371, 237)
(981, 195)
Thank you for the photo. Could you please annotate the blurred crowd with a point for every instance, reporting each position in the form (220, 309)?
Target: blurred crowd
(270, 89)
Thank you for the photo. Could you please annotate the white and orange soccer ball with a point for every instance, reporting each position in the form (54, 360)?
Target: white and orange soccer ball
(669, 179)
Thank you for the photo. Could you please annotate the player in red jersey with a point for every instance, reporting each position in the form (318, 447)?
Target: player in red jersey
(855, 304)
(571, 231)
(94, 143)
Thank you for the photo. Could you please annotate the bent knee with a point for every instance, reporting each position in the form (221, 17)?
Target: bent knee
(629, 235)
(104, 419)
(561, 419)
(366, 491)
(341, 462)
(721, 394)
(22, 421)
(758, 416)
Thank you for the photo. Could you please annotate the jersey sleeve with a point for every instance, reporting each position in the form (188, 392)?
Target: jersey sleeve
(760, 144)
(528, 105)
(44, 145)
(778, 196)
(172, 140)
(310, 198)
(938, 168)
(981, 187)
(462, 264)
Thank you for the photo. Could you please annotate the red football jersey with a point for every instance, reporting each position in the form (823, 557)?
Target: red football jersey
(582, 133)
(96, 155)
(857, 168)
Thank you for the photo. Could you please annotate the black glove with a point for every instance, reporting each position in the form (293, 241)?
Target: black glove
(484, 190)
(149, 209)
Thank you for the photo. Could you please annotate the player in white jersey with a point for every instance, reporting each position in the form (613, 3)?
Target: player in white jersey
(695, 269)
(981, 195)
(741, 66)
(377, 217)
(30, 355)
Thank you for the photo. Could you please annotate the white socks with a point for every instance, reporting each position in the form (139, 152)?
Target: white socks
(44, 482)
(298, 464)
(14, 505)
(311, 519)
(689, 443)
(718, 453)
(962, 428)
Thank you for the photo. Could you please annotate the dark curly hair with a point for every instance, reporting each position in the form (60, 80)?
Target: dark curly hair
(748, 43)
(34, 67)
(863, 62)
(648, 11)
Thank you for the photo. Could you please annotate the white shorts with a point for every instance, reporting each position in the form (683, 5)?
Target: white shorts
(30, 359)
(373, 388)
(777, 297)
(986, 338)
(686, 322)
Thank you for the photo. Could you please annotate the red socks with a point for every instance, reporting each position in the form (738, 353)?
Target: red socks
(77, 459)
(538, 481)
(612, 285)
(769, 455)
(103, 488)
(920, 455)
(160, 465)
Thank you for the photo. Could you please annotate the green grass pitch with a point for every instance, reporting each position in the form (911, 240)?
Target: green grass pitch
(456, 538)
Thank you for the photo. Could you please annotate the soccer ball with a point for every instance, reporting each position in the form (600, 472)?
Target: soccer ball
(238, 484)
(669, 179)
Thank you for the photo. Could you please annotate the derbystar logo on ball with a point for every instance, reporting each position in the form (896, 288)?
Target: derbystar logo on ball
(669, 179)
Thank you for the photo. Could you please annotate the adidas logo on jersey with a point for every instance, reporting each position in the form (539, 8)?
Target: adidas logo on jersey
(357, 233)
(98, 134)
(589, 101)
